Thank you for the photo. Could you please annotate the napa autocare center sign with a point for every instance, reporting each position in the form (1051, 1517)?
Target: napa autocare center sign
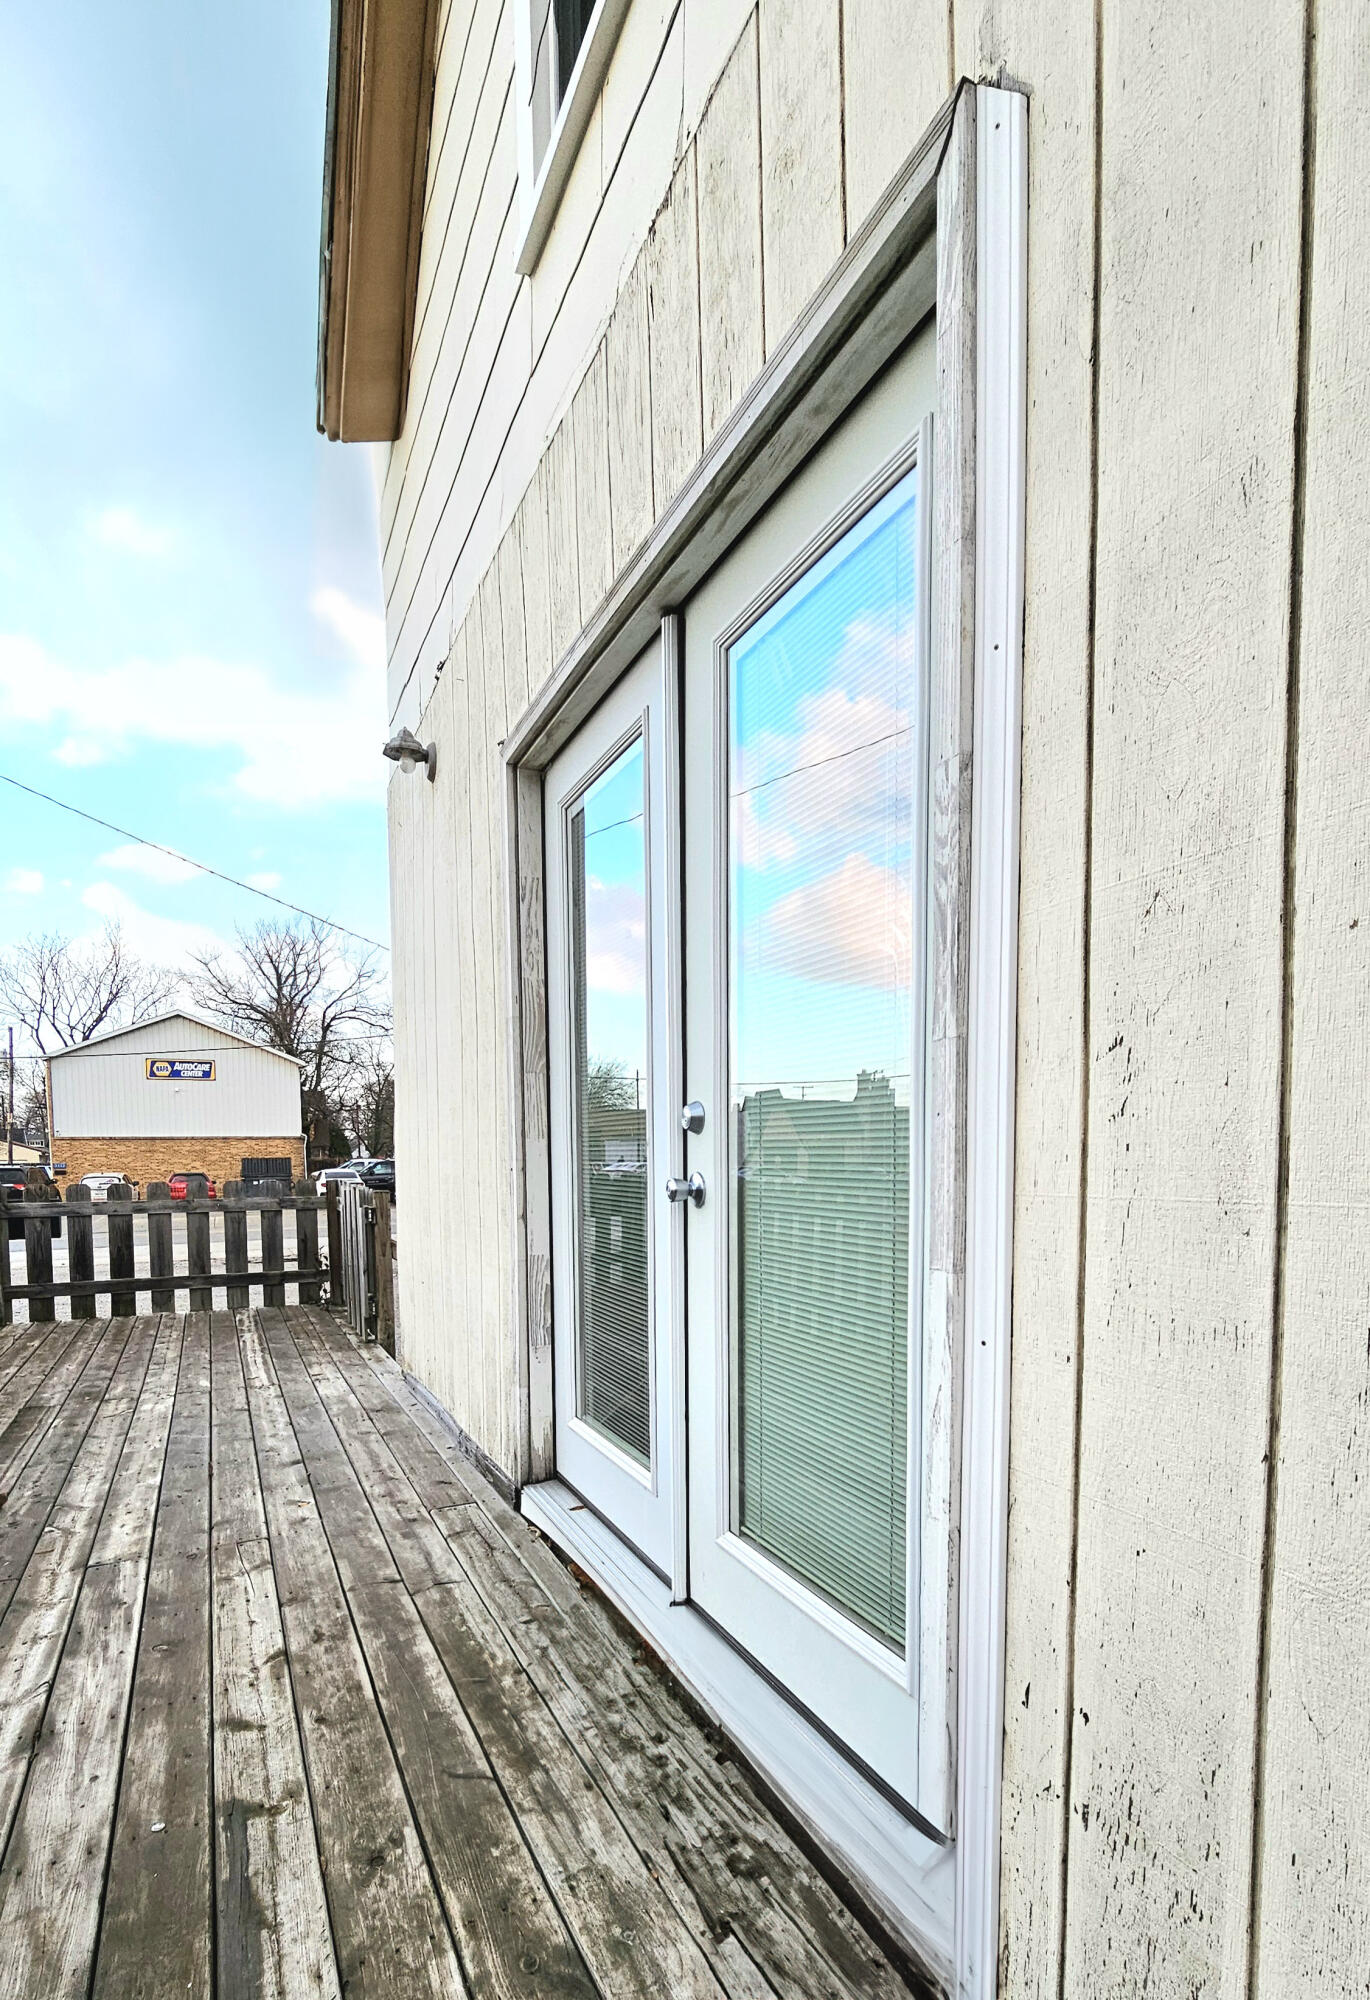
(177, 1069)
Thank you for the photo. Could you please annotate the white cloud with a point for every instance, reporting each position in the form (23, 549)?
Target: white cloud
(121, 528)
(79, 751)
(615, 937)
(840, 766)
(162, 940)
(135, 859)
(267, 879)
(844, 772)
(24, 882)
(298, 745)
(361, 631)
(849, 928)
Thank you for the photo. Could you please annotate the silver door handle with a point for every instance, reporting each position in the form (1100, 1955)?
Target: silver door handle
(690, 1190)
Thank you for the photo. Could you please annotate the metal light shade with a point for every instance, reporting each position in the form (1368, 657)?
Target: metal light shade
(405, 749)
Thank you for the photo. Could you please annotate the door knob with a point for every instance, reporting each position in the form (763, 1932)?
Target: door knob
(690, 1190)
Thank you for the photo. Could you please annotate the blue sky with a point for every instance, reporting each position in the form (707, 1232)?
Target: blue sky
(190, 616)
(822, 810)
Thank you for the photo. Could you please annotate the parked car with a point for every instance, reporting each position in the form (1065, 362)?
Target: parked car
(349, 1170)
(199, 1185)
(100, 1184)
(15, 1178)
(378, 1174)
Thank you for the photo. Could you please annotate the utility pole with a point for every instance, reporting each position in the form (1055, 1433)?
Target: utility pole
(9, 1117)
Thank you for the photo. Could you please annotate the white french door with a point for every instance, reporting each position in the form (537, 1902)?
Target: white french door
(794, 1020)
(608, 800)
(805, 817)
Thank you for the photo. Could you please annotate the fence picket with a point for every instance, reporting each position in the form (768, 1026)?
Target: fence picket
(198, 1258)
(235, 1242)
(307, 1241)
(385, 1281)
(273, 1254)
(80, 1226)
(37, 1241)
(161, 1244)
(336, 1284)
(6, 1211)
(123, 1301)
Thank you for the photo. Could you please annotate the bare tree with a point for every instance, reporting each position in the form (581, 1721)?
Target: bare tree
(60, 992)
(366, 1099)
(288, 986)
(30, 1101)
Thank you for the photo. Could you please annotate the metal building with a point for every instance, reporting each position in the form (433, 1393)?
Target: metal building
(175, 1094)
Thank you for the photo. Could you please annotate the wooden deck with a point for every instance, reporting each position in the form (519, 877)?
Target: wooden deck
(292, 1703)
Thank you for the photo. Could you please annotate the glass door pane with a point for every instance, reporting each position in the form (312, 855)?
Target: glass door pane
(607, 867)
(821, 851)
(613, 1103)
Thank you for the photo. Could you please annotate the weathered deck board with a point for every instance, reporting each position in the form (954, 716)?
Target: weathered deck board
(666, 1784)
(481, 1863)
(52, 1879)
(598, 1879)
(271, 1916)
(37, 1394)
(33, 1631)
(297, 1705)
(35, 1347)
(157, 1926)
(28, 1503)
(388, 1927)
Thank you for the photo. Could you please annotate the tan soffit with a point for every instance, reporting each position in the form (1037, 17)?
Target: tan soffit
(380, 95)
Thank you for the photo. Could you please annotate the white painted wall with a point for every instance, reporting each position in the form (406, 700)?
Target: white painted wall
(102, 1090)
(1187, 1751)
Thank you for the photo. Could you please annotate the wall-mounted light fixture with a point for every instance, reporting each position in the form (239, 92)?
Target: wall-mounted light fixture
(405, 749)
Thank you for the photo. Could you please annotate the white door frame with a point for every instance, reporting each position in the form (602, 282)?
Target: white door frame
(950, 232)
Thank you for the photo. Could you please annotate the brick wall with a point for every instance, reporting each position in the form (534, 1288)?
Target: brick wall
(144, 1160)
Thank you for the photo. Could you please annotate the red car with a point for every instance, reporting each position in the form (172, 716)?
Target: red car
(180, 1185)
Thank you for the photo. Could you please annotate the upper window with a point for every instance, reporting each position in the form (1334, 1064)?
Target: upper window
(561, 66)
(569, 20)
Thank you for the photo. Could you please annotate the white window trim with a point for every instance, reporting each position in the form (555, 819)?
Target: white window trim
(971, 172)
(1000, 507)
(541, 185)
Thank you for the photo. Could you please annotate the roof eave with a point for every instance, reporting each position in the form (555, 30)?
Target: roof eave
(155, 1021)
(380, 98)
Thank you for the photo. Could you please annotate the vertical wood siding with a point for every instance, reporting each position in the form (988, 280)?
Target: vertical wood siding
(728, 153)
(673, 337)
(1186, 1753)
(802, 210)
(1313, 1932)
(896, 71)
(1195, 477)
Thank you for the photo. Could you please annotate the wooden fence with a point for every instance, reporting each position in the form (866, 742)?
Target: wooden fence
(37, 1209)
(359, 1251)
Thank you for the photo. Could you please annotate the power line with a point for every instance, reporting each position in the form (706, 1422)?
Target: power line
(64, 805)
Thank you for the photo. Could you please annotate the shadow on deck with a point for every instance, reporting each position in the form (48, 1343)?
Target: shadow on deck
(295, 1704)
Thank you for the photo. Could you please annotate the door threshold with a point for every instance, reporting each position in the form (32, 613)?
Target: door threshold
(907, 1878)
